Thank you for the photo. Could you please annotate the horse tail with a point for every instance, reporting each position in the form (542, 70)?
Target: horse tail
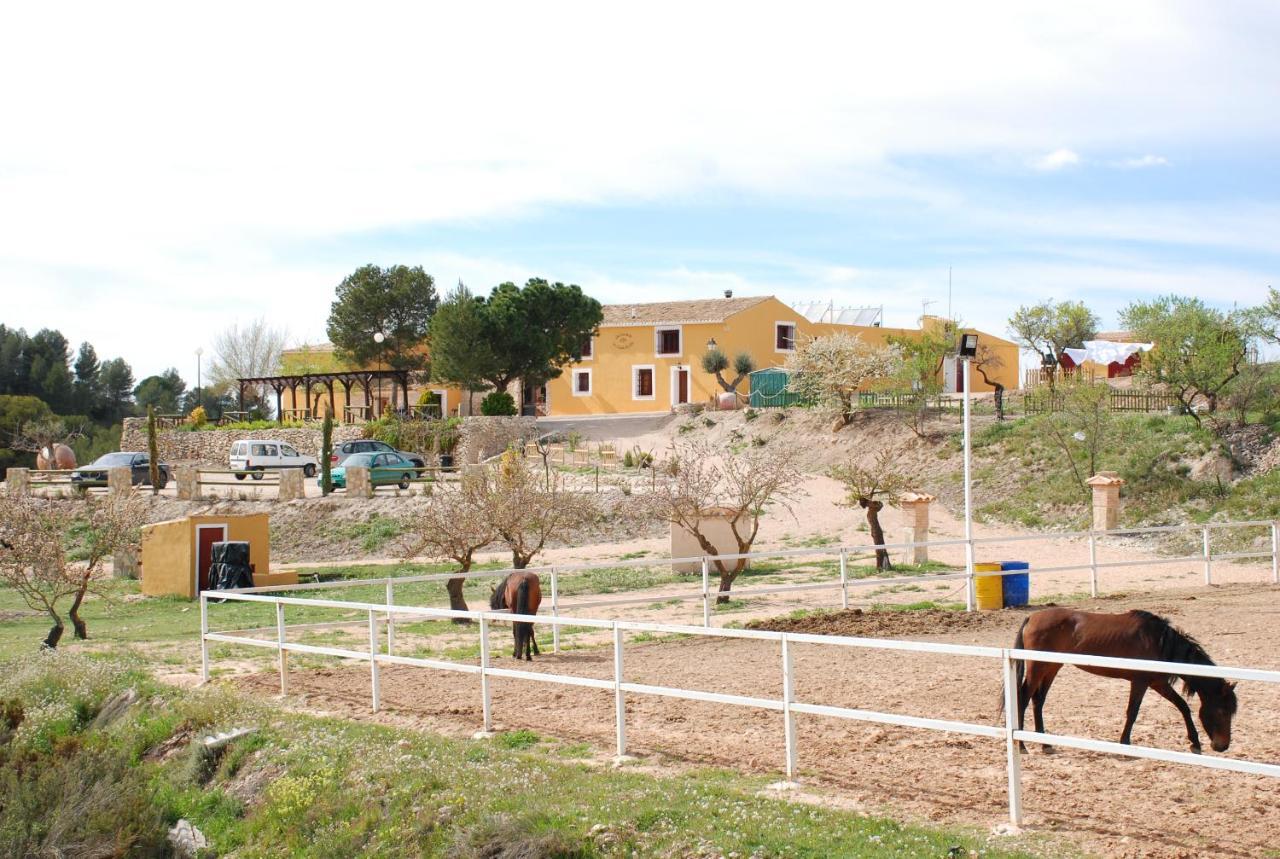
(1019, 666)
(524, 631)
(498, 599)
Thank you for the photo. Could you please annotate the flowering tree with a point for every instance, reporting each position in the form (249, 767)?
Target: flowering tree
(831, 370)
(51, 551)
(453, 525)
(706, 485)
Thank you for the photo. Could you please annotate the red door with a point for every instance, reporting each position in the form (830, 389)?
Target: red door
(206, 536)
(682, 386)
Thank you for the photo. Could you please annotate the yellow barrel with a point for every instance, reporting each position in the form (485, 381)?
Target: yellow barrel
(988, 590)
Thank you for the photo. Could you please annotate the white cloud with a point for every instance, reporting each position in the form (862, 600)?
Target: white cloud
(1143, 162)
(1056, 160)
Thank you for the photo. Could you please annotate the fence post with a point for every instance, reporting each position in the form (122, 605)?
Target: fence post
(788, 718)
(284, 654)
(204, 642)
(597, 478)
(970, 595)
(1275, 555)
(1208, 558)
(555, 611)
(1010, 744)
(373, 660)
(1093, 564)
(844, 579)
(391, 621)
(619, 698)
(706, 591)
(485, 707)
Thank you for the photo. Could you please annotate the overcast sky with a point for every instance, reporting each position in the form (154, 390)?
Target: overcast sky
(168, 170)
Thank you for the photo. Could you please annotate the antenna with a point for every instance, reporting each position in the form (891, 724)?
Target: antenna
(924, 308)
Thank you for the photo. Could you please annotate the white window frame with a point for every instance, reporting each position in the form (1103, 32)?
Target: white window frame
(675, 386)
(635, 381)
(573, 383)
(657, 341)
(795, 335)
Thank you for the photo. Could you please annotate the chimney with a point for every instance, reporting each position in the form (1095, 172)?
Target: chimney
(728, 293)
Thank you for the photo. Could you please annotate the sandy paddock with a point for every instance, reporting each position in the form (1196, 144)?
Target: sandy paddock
(1111, 805)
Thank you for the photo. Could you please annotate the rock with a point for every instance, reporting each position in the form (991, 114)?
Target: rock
(114, 708)
(217, 742)
(186, 840)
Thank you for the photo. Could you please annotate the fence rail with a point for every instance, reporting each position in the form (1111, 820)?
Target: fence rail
(788, 704)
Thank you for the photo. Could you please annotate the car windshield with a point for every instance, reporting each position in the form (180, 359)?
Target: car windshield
(114, 460)
(359, 460)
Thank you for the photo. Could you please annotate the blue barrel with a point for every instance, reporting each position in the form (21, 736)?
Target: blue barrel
(1017, 587)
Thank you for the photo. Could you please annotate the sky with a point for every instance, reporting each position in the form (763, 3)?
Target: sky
(168, 170)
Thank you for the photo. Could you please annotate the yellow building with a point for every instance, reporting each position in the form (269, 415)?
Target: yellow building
(647, 358)
(176, 554)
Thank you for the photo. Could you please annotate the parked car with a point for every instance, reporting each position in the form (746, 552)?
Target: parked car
(257, 455)
(368, 445)
(95, 473)
(384, 469)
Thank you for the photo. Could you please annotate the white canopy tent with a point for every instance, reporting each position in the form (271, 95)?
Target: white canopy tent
(1106, 352)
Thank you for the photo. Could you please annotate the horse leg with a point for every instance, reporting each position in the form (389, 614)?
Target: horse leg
(534, 641)
(1169, 693)
(515, 632)
(1024, 698)
(1044, 675)
(1137, 689)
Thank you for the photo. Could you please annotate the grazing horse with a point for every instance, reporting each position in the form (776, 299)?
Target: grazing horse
(1132, 635)
(520, 593)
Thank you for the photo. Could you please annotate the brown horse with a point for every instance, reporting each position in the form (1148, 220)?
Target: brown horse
(1132, 635)
(520, 593)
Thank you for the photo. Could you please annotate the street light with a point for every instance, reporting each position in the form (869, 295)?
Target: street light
(199, 353)
(711, 344)
(968, 348)
(378, 337)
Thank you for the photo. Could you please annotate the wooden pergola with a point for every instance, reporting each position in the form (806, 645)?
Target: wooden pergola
(366, 380)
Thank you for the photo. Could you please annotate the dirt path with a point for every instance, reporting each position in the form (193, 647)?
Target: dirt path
(1114, 806)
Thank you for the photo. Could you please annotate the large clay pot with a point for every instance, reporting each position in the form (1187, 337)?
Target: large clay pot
(62, 458)
(727, 401)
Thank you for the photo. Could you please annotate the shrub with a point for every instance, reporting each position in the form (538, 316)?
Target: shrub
(498, 403)
(198, 417)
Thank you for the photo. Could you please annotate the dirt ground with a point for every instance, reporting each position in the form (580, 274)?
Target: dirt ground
(1098, 803)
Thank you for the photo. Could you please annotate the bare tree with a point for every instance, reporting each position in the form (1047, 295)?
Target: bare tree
(528, 511)
(51, 551)
(707, 483)
(870, 488)
(44, 439)
(832, 370)
(1083, 429)
(246, 352)
(987, 361)
(453, 525)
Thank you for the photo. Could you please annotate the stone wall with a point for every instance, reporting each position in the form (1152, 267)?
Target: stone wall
(480, 438)
(483, 437)
(212, 447)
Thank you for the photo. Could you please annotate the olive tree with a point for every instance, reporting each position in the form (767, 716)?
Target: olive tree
(707, 484)
(1049, 327)
(52, 551)
(716, 362)
(870, 487)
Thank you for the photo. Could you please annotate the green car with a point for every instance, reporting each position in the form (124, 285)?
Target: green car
(385, 469)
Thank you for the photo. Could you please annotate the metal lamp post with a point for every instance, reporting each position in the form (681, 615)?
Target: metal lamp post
(199, 361)
(968, 349)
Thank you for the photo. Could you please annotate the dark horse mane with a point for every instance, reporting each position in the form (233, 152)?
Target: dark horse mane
(1174, 645)
(498, 599)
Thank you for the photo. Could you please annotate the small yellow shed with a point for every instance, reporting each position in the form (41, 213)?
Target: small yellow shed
(176, 554)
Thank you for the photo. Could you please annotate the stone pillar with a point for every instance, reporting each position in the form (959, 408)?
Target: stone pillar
(17, 482)
(187, 477)
(915, 520)
(119, 481)
(125, 563)
(358, 483)
(291, 486)
(1106, 500)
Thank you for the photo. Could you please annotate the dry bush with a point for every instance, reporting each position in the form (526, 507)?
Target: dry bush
(870, 487)
(453, 525)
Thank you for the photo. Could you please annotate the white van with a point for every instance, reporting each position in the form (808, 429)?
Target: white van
(255, 454)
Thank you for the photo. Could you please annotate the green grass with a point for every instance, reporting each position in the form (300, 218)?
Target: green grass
(328, 787)
(374, 533)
